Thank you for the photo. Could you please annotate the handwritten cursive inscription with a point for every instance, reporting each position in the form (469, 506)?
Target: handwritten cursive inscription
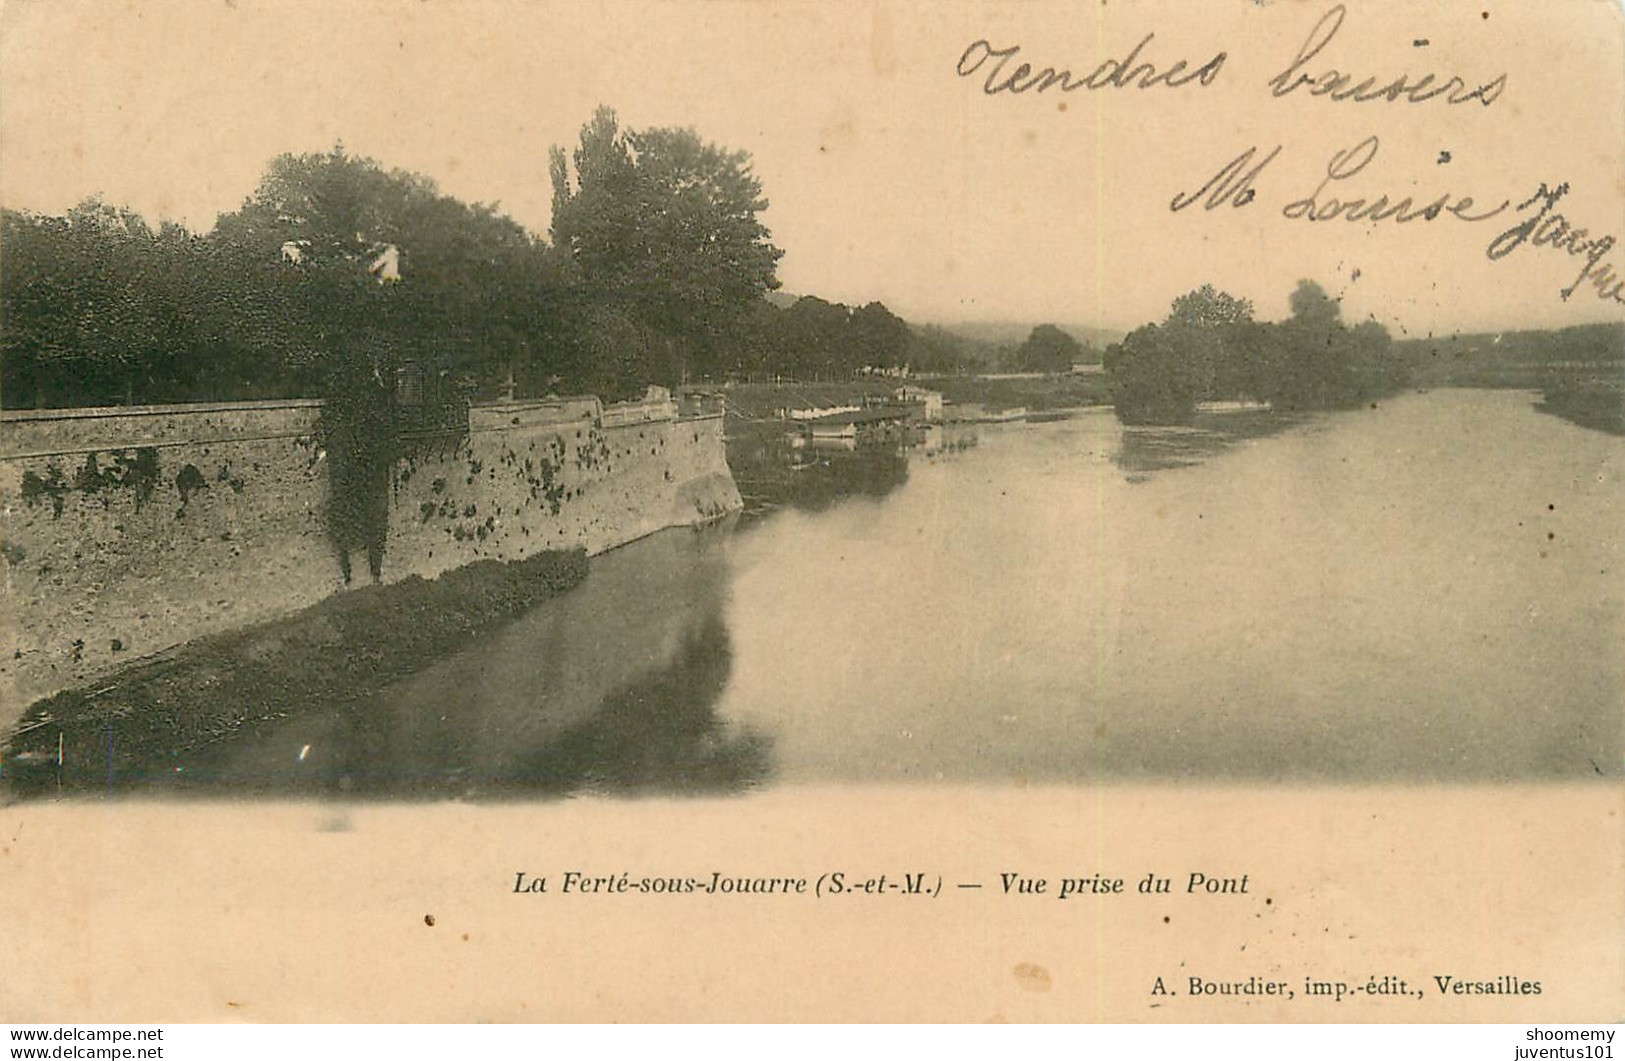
(1548, 228)
(1347, 164)
(1233, 186)
(1002, 71)
(1127, 72)
(1339, 85)
(1339, 195)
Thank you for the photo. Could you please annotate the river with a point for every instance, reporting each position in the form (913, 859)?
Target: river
(1428, 590)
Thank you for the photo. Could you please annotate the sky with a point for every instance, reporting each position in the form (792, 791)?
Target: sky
(890, 176)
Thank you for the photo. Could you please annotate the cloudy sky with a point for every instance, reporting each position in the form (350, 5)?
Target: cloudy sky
(891, 176)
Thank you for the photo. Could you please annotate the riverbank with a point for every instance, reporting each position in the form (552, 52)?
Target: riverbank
(332, 653)
(1599, 406)
(1041, 394)
(764, 401)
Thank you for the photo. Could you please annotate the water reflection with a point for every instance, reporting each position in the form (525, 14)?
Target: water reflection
(776, 468)
(660, 733)
(942, 439)
(773, 473)
(1427, 591)
(611, 687)
(1145, 450)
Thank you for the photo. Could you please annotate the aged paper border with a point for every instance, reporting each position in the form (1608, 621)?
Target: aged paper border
(366, 912)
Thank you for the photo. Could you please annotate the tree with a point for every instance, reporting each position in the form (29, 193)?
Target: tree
(1323, 364)
(308, 250)
(1047, 349)
(1211, 327)
(878, 338)
(1207, 307)
(608, 350)
(1201, 351)
(1152, 381)
(1312, 306)
(1314, 370)
(814, 338)
(1378, 370)
(936, 349)
(666, 225)
(292, 280)
(95, 306)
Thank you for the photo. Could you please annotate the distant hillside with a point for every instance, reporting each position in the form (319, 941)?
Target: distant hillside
(976, 345)
(990, 334)
(1011, 333)
(1518, 359)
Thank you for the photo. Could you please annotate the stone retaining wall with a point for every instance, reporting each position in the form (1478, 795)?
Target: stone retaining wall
(124, 532)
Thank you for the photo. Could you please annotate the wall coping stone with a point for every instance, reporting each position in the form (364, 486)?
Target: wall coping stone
(104, 411)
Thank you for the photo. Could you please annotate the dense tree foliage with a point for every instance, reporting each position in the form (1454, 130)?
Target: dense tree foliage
(334, 258)
(331, 258)
(814, 339)
(1153, 379)
(337, 271)
(94, 306)
(664, 228)
(1047, 348)
(934, 348)
(387, 261)
(1210, 348)
(880, 339)
(1208, 308)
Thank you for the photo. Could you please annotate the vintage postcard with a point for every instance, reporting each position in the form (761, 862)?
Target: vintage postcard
(785, 511)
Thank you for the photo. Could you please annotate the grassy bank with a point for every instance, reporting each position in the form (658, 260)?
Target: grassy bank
(340, 650)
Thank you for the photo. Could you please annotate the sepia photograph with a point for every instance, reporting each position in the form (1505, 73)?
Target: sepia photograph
(880, 510)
